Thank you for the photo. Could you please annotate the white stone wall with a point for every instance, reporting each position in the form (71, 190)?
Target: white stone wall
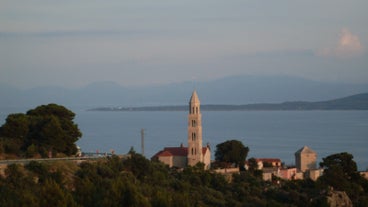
(207, 159)
(168, 160)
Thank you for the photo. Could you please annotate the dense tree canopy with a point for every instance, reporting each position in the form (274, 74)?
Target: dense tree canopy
(45, 128)
(232, 151)
(340, 172)
(136, 181)
(338, 168)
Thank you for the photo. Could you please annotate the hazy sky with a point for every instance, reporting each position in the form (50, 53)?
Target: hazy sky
(72, 43)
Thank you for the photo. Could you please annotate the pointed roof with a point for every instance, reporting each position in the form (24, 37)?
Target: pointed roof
(305, 150)
(194, 98)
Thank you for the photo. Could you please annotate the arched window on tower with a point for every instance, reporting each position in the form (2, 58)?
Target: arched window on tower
(193, 136)
(192, 151)
(197, 110)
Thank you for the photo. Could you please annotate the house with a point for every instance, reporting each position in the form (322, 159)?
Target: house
(268, 162)
(291, 173)
(173, 156)
(195, 153)
(268, 173)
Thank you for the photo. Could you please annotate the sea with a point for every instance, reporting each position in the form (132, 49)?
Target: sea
(267, 134)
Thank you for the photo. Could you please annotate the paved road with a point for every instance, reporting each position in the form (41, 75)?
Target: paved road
(26, 161)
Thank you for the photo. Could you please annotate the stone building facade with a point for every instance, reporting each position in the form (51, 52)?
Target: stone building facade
(305, 159)
(268, 162)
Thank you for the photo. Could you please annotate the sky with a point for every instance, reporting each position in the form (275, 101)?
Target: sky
(73, 43)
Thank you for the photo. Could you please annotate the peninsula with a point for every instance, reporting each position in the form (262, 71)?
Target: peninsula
(354, 102)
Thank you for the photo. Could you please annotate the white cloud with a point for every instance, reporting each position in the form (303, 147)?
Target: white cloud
(348, 46)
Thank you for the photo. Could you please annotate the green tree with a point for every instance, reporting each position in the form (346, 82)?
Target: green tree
(16, 176)
(232, 151)
(31, 150)
(15, 191)
(138, 165)
(252, 164)
(340, 172)
(52, 109)
(39, 169)
(13, 133)
(53, 127)
(253, 167)
(47, 127)
(16, 126)
(54, 195)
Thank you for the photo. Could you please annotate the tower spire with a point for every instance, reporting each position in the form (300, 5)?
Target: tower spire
(194, 131)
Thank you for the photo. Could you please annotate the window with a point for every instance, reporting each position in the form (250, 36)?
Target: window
(192, 151)
(194, 123)
(193, 136)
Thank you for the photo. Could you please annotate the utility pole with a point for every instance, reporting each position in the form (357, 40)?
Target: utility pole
(142, 141)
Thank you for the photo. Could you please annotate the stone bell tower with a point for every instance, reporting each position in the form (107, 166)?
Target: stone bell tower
(194, 131)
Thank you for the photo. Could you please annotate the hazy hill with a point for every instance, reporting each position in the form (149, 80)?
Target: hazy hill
(229, 90)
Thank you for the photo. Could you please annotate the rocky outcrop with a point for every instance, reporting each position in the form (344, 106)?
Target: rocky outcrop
(338, 199)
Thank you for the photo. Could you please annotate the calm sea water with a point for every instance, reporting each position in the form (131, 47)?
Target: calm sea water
(271, 134)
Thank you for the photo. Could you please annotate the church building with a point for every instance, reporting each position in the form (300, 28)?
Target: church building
(195, 153)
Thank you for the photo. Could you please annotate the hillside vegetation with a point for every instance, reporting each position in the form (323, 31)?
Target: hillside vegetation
(136, 181)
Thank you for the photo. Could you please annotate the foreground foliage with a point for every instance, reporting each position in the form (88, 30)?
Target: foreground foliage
(231, 151)
(136, 181)
(341, 174)
(41, 131)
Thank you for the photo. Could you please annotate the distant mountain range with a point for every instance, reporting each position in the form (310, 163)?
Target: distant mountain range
(355, 102)
(226, 91)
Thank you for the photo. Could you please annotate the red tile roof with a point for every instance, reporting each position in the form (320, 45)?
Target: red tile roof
(164, 154)
(268, 160)
(175, 151)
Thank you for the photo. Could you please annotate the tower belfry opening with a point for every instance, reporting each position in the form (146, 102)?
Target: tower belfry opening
(194, 131)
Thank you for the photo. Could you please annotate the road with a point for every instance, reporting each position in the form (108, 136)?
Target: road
(26, 161)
